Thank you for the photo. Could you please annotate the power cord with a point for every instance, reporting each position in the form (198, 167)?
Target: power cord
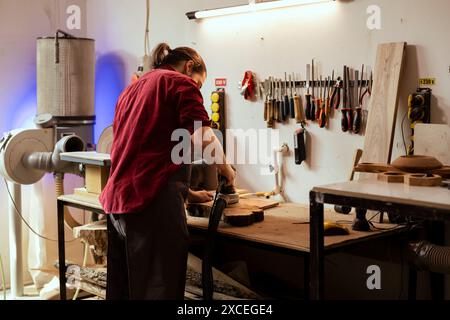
(403, 132)
(2, 271)
(23, 219)
(147, 30)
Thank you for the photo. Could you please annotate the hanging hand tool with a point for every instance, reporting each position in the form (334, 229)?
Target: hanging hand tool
(322, 118)
(273, 102)
(336, 95)
(276, 112)
(330, 91)
(350, 96)
(308, 94)
(280, 101)
(319, 100)
(291, 100)
(267, 101)
(313, 99)
(298, 105)
(358, 115)
(286, 98)
(344, 120)
(283, 102)
(300, 145)
(268, 110)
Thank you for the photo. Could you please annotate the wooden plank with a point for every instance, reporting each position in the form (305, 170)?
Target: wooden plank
(384, 103)
(433, 140)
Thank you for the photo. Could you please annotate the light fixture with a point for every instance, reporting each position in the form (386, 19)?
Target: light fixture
(252, 6)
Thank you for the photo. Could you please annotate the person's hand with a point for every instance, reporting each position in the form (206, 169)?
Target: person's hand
(228, 173)
(200, 196)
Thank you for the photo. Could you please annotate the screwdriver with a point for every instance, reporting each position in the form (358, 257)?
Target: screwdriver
(266, 102)
(291, 100)
(323, 110)
(276, 112)
(286, 98)
(308, 94)
(330, 89)
(313, 100)
(358, 117)
(344, 120)
(298, 105)
(355, 75)
(319, 100)
(274, 101)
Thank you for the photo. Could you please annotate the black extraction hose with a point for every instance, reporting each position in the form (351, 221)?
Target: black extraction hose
(217, 209)
(429, 257)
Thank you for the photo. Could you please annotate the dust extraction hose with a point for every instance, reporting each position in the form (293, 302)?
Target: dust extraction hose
(68, 219)
(429, 257)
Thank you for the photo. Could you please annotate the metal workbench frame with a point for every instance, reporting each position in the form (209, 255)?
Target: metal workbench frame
(317, 201)
(61, 241)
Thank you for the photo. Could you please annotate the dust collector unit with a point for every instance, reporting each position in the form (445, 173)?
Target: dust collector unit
(65, 79)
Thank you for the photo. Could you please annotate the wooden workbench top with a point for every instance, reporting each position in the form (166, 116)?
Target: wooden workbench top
(287, 226)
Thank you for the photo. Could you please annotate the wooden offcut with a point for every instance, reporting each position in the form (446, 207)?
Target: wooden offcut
(244, 213)
(96, 178)
(384, 103)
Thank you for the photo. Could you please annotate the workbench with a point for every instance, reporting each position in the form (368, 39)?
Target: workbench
(428, 203)
(285, 229)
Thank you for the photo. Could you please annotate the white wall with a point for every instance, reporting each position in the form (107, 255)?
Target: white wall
(21, 22)
(272, 42)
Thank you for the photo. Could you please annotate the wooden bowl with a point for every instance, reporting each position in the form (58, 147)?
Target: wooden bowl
(417, 164)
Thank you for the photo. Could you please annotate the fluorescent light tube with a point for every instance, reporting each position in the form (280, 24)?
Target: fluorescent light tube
(246, 8)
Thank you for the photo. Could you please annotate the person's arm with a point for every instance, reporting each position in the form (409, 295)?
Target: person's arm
(204, 137)
(191, 109)
(199, 196)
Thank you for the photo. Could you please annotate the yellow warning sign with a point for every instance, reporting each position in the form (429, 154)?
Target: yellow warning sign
(427, 81)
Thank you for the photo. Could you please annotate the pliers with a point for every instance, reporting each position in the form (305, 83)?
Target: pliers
(335, 101)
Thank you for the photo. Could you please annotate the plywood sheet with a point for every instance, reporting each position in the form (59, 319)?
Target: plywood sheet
(384, 103)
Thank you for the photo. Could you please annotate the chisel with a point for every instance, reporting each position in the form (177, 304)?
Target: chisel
(308, 94)
(344, 120)
(276, 112)
(291, 100)
(319, 104)
(358, 116)
(298, 105)
(286, 98)
(273, 101)
(313, 99)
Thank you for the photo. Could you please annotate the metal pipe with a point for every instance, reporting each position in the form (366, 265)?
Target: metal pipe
(51, 162)
(15, 240)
